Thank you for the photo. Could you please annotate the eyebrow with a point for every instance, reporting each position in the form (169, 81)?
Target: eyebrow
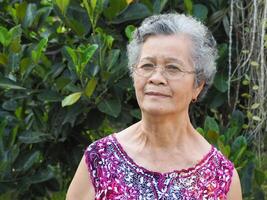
(168, 59)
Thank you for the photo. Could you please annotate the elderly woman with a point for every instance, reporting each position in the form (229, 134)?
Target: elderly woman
(172, 61)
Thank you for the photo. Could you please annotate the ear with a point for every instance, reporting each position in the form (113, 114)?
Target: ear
(198, 89)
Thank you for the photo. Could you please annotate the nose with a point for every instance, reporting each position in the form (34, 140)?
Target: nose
(157, 77)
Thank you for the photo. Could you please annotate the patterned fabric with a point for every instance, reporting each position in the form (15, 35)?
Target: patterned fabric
(116, 176)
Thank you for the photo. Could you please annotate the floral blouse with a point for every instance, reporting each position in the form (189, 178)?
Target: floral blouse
(116, 176)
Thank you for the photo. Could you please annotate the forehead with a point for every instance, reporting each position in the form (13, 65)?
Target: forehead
(167, 47)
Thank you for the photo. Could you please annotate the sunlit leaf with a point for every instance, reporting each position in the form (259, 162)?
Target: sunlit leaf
(71, 99)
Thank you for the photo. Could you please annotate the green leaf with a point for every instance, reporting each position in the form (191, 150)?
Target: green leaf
(200, 11)
(256, 118)
(37, 52)
(27, 161)
(76, 26)
(136, 113)
(211, 124)
(94, 8)
(90, 87)
(259, 176)
(87, 54)
(32, 137)
(114, 8)
(247, 178)
(212, 136)
(5, 36)
(15, 45)
(29, 15)
(188, 4)
(41, 176)
(49, 96)
(221, 83)
(132, 12)
(71, 99)
(7, 83)
(63, 5)
(112, 59)
(200, 130)
(21, 10)
(159, 6)
(255, 106)
(111, 107)
(129, 30)
(72, 53)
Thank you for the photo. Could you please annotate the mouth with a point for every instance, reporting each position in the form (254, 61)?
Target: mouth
(158, 94)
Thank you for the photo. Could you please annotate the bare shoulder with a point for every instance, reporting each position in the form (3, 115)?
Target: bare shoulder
(81, 186)
(235, 188)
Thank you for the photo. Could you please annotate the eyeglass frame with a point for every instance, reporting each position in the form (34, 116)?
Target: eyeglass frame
(163, 71)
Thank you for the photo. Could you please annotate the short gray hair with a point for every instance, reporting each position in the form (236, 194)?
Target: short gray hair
(204, 53)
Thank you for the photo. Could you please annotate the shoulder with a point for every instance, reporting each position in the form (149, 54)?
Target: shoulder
(235, 192)
(98, 149)
(81, 186)
(229, 176)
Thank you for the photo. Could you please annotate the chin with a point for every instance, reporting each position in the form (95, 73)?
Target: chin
(157, 110)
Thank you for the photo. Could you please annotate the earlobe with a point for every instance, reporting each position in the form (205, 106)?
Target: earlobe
(198, 89)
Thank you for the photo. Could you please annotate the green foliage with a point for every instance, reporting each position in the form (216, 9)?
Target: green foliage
(64, 83)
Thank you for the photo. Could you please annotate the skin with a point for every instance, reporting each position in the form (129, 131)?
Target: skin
(164, 136)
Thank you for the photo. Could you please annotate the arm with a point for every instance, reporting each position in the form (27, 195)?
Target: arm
(235, 188)
(81, 186)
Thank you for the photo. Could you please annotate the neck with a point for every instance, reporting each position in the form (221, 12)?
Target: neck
(165, 132)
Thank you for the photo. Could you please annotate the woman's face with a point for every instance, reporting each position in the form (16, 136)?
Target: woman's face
(157, 94)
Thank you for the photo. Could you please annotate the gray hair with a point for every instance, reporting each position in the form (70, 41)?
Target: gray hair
(204, 51)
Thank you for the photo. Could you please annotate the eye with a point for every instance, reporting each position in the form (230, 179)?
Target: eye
(147, 66)
(173, 69)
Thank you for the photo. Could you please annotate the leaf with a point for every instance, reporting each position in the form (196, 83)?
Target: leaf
(188, 4)
(7, 83)
(76, 26)
(255, 106)
(159, 6)
(63, 5)
(37, 52)
(41, 176)
(132, 12)
(136, 113)
(5, 36)
(256, 118)
(114, 8)
(73, 55)
(90, 87)
(211, 124)
(259, 176)
(254, 64)
(71, 99)
(29, 15)
(200, 12)
(111, 107)
(49, 96)
(87, 54)
(112, 59)
(212, 136)
(247, 178)
(221, 83)
(94, 8)
(32, 137)
(27, 161)
(129, 30)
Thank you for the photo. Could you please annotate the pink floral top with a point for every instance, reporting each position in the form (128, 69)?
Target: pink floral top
(116, 176)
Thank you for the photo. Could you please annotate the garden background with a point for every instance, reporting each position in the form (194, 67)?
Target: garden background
(64, 83)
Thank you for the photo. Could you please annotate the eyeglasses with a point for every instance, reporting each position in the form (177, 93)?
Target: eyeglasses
(170, 71)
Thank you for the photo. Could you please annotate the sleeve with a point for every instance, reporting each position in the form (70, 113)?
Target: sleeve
(92, 158)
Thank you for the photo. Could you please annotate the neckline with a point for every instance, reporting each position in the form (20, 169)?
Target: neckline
(185, 171)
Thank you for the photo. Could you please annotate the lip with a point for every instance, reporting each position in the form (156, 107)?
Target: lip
(156, 94)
